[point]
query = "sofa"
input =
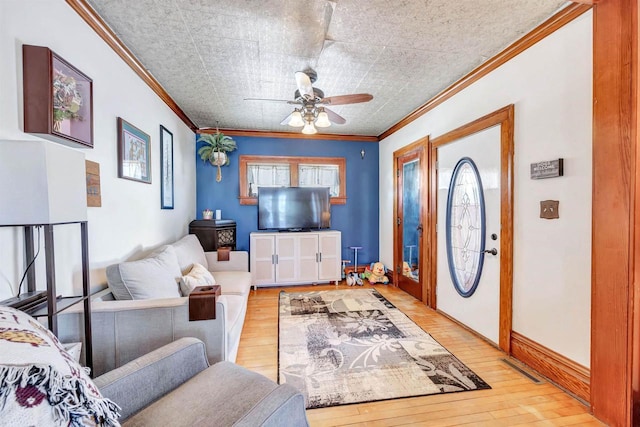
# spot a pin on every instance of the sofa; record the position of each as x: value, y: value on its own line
x: 41, y: 384
x: 145, y: 306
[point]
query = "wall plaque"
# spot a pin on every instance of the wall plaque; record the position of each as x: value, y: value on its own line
x: 548, y: 169
x: 550, y: 209
x: 94, y: 199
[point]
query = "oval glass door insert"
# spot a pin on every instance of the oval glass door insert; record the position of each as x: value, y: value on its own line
x: 465, y: 227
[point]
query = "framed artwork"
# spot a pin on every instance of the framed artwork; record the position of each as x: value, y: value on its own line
x: 166, y: 168
x: 58, y: 98
x: 134, y: 153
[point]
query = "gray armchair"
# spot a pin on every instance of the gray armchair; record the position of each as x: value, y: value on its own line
x: 174, y: 385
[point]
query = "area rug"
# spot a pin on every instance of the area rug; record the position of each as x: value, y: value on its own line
x: 353, y: 346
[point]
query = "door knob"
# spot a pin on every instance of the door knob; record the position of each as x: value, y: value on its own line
x: 419, y: 228
x: 492, y: 251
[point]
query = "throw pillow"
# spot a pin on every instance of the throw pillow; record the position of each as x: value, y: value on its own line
x: 198, y: 276
x: 40, y: 384
x: 189, y: 251
x: 153, y: 277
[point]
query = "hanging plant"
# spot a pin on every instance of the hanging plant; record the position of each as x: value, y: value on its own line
x: 215, y: 149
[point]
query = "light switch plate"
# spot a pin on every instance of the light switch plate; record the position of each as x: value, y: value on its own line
x: 549, y: 209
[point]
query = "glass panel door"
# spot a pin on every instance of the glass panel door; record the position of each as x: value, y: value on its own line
x: 411, y: 219
x: 408, y: 238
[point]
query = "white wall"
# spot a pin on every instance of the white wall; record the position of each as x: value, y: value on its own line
x: 130, y: 220
x: 551, y: 87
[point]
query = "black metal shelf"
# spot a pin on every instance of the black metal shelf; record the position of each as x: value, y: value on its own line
x: 62, y: 304
x: 53, y: 305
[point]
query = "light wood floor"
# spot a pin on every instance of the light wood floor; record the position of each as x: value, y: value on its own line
x: 514, y: 400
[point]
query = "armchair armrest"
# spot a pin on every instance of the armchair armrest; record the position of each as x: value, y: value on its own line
x: 144, y: 380
x: 238, y: 261
x: 283, y: 406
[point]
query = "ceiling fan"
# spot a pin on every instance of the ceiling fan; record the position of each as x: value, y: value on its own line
x: 312, y: 111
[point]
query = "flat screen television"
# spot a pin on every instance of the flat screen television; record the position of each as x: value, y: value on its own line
x: 293, y: 208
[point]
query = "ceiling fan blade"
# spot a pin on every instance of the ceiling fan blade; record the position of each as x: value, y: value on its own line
x: 272, y: 100
x: 347, y: 99
x: 304, y: 85
x: 287, y: 119
x: 335, y: 117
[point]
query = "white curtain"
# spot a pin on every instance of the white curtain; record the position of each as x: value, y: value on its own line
x: 320, y: 176
x: 263, y: 175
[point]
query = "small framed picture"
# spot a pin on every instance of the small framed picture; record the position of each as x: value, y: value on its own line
x: 134, y: 153
x: 166, y: 171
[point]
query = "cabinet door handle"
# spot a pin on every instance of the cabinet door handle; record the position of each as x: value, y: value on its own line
x: 320, y: 257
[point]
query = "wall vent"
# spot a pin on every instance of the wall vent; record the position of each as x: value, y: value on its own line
x: 534, y: 379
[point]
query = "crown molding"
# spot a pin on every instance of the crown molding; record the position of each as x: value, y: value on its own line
x: 557, y: 21
x: 291, y: 135
x: 90, y: 16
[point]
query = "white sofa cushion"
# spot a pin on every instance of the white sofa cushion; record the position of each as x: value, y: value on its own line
x: 234, y: 314
x: 153, y: 277
x: 189, y: 250
x: 233, y: 282
x: 198, y: 276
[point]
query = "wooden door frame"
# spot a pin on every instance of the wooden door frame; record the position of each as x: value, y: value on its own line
x: 615, y: 265
x: 421, y: 147
x: 504, y: 118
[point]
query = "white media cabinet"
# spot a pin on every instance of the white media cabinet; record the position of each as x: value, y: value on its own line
x: 290, y: 258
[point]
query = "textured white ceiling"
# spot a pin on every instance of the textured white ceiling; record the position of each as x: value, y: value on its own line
x: 210, y: 55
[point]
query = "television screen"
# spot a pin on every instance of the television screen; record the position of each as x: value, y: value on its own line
x: 293, y: 208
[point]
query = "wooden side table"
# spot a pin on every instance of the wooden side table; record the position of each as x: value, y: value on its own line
x: 214, y: 233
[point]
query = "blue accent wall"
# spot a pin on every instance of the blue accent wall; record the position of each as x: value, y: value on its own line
x: 357, y: 219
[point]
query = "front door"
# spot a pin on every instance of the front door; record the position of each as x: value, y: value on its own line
x: 468, y: 278
x: 472, y: 258
x: 408, y: 236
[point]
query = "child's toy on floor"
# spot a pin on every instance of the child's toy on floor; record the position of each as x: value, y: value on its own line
x: 353, y: 279
x: 366, y: 273
x: 377, y: 273
x: 406, y: 270
x: 344, y: 266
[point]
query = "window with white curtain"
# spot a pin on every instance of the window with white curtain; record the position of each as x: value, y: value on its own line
x: 320, y: 176
x: 266, y: 175
x: 291, y: 171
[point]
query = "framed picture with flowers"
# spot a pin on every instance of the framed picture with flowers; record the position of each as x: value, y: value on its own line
x: 58, y: 98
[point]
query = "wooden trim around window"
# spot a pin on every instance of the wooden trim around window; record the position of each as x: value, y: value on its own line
x: 293, y: 162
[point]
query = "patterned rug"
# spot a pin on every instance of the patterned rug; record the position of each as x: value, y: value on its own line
x: 354, y: 346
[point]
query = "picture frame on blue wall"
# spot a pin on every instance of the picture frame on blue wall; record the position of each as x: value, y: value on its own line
x: 166, y: 169
x: 134, y: 153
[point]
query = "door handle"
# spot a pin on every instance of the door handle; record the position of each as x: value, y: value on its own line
x: 419, y: 228
x: 492, y: 251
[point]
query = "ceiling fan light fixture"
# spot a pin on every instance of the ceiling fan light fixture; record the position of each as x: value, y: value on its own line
x: 323, y: 120
x: 309, y: 129
x: 296, y: 119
